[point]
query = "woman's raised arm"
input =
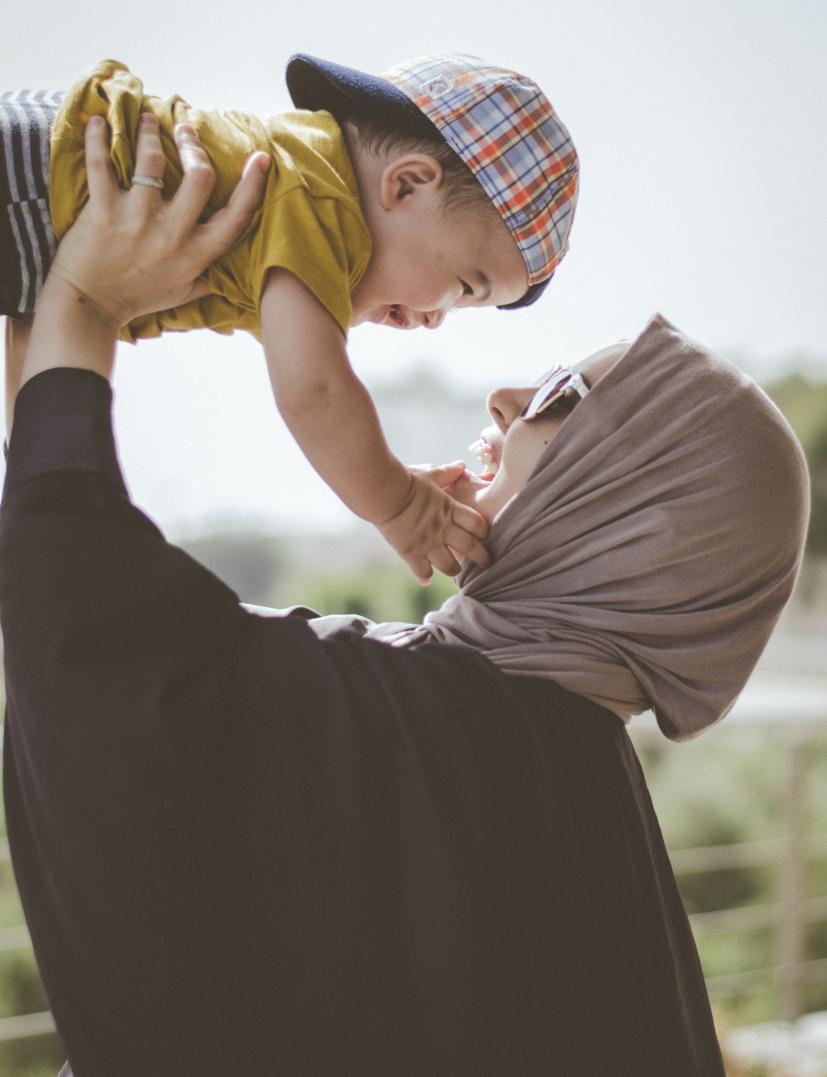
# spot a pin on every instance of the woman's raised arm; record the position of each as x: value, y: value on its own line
x: 129, y: 253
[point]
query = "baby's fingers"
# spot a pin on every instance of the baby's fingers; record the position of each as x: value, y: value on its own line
x: 466, y: 545
x: 469, y: 520
x: 443, y: 560
x: 444, y: 475
x: 421, y: 568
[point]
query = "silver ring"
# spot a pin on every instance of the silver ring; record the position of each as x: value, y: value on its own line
x: 148, y: 181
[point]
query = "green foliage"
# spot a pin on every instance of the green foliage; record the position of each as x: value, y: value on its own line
x: 20, y: 988
x: 335, y: 575
x: 726, y: 888
x: 11, y: 913
x: 382, y: 593
x: 39, y: 1056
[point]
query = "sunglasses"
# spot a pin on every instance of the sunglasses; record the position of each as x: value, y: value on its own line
x: 552, y: 386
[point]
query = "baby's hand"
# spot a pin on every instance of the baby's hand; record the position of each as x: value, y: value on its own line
x: 432, y: 528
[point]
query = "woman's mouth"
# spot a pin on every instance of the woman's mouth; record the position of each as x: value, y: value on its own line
x: 486, y: 455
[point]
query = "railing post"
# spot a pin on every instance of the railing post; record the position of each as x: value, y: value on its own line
x: 793, y: 881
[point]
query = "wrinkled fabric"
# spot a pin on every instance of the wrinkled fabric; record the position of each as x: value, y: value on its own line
x: 646, y: 561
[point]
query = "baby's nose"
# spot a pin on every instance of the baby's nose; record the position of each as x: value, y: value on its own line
x: 433, y: 319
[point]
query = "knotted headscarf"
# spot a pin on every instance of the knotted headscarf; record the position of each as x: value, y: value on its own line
x: 645, y: 562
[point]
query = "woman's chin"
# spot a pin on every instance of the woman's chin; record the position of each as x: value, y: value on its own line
x: 471, y: 490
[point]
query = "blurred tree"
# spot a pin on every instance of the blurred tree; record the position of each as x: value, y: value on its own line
x: 817, y: 459
x: 247, y: 561
x: 20, y: 988
x: 383, y: 592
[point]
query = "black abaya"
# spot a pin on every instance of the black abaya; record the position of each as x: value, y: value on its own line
x: 243, y: 850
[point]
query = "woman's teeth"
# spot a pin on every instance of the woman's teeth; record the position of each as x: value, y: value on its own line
x: 486, y: 456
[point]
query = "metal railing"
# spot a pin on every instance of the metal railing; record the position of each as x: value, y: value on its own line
x: 795, y: 711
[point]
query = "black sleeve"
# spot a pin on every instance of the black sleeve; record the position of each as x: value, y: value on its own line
x: 120, y: 662
x: 82, y: 570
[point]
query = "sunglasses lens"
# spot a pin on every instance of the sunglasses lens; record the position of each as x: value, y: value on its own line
x: 546, y: 395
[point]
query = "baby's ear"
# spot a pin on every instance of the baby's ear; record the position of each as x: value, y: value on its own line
x: 407, y: 174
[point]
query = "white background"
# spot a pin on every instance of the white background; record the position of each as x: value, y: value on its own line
x: 701, y: 133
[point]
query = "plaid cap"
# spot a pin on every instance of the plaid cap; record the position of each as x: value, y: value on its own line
x: 500, y: 124
x: 504, y: 128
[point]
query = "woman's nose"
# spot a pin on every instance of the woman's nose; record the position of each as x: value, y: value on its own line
x: 505, y: 405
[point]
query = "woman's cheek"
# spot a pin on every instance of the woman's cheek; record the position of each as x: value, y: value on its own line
x: 517, y: 462
x: 523, y: 454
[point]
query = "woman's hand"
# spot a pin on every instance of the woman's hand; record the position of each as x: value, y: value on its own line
x: 130, y: 252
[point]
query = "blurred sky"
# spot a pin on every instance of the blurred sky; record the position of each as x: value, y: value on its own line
x: 703, y: 147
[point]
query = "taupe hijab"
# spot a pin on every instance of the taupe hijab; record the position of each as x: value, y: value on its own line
x: 648, y: 557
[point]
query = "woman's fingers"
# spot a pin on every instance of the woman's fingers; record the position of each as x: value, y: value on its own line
x: 103, y: 187
x: 198, y: 182
x: 150, y: 161
x: 199, y: 289
x: 131, y: 252
x: 227, y: 225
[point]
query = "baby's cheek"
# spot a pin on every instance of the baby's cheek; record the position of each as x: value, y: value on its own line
x: 427, y: 293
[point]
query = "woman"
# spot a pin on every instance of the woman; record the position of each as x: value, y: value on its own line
x: 243, y: 849
x: 644, y: 544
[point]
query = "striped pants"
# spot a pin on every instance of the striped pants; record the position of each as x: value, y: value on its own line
x: 27, y: 242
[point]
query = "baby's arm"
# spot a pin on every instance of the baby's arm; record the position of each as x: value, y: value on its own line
x: 332, y: 417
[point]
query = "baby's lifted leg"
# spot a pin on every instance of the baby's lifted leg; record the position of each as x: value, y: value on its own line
x: 18, y: 331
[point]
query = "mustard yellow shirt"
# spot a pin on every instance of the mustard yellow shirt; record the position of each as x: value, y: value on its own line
x: 310, y: 221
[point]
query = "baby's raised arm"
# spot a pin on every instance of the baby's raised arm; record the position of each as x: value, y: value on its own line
x: 332, y: 417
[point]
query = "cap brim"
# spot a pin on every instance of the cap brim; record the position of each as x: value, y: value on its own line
x: 531, y: 296
x: 318, y: 84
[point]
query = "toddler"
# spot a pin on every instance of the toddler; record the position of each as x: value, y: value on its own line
x: 446, y: 183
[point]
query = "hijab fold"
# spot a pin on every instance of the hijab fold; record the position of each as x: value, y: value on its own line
x: 645, y: 562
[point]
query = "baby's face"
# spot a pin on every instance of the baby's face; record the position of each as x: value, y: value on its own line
x: 426, y: 262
